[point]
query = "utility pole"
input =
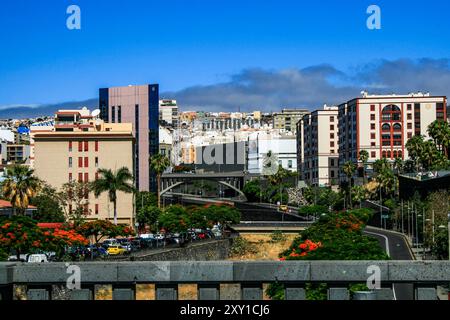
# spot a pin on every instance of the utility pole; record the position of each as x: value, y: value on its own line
x: 403, y: 230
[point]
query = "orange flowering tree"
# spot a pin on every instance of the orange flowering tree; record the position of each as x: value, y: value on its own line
x: 22, y: 235
x: 175, y: 219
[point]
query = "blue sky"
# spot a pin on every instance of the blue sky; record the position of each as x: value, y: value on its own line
x: 199, y: 47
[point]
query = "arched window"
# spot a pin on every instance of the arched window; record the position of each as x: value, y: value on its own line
x: 391, y: 112
x: 397, y: 127
x: 394, y: 154
x: 389, y: 154
x: 399, y: 154
x: 384, y: 154
x: 386, y: 127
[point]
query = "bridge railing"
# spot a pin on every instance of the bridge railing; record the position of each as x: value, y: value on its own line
x: 212, y: 280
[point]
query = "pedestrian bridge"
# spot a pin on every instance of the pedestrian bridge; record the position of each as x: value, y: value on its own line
x: 232, y: 180
x: 214, y: 280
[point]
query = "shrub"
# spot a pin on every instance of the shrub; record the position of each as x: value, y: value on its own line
x: 277, y: 236
x: 241, y: 246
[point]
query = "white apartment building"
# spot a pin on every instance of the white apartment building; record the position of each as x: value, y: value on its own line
x: 382, y: 124
x: 282, y: 146
x: 317, y: 147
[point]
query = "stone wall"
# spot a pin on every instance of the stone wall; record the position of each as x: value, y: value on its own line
x: 201, y: 251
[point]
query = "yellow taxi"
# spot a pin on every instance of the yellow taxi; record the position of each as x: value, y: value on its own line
x: 114, y: 250
x: 284, y: 208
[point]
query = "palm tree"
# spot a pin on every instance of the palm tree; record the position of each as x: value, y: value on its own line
x: 415, y: 147
x: 381, y: 164
x: 111, y: 182
x: 398, y: 165
x: 19, y: 186
x: 159, y: 164
x: 363, y: 157
x: 349, y: 169
x: 359, y: 194
x: 439, y: 131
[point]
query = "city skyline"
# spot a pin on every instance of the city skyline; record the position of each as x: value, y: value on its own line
x: 295, y: 55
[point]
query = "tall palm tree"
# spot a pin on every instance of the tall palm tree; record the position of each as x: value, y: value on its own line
x: 349, y: 169
x: 415, y: 147
x: 19, y: 186
x: 398, y: 165
x: 439, y: 131
x: 363, y: 157
x: 111, y: 182
x: 159, y: 164
x: 381, y: 164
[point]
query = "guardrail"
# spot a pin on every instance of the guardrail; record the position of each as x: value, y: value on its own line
x: 213, y: 280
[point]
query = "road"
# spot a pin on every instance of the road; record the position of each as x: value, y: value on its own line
x: 397, y: 248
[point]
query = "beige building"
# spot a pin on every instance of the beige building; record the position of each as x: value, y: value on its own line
x: 77, y: 146
x: 288, y: 119
x: 382, y: 124
x: 317, y: 147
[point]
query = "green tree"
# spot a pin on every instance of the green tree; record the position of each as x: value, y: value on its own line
x: 74, y: 200
x: 175, y: 218
x: 148, y: 215
x: 100, y: 229
x: 415, y: 146
x: 19, y: 187
x: 253, y: 190
x: 48, y: 205
x: 349, y: 169
x: 159, y: 164
x: 364, y: 157
x: 359, y: 194
x: 113, y: 182
x: 144, y: 199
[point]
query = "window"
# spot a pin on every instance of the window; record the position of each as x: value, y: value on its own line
x: 331, y: 135
x: 372, y: 117
x: 86, y: 146
x: 373, y: 154
x: 389, y: 154
x: 289, y: 164
x: 96, y: 162
x: 409, y: 135
x: 80, y: 177
x: 70, y: 162
x: 80, y: 162
x: 96, y: 208
x: 332, y: 173
x: 119, y: 114
x: 409, y: 125
x: 409, y: 116
x: 332, y: 119
x: 80, y: 146
x: 86, y: 177
x: 372, y: 107
x: 332, y: 144
x: 70, y: 146
x: 96, y: 176
x: 113, y: 114
x: 409, y: 107
x: 332, y: 151
x: 397, y: 127
x: 332, y: 162
x: 372, y: 126
x: 384, y: 154
x: 96, y: 146
x: 331, y: 126
x: 372, y: 144
x: 70, y: 177
x: 386, y: 127
x: 372, y: 136
x: 86, y: 162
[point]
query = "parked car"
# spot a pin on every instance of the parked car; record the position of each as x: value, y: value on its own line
x: 115, y: 250
x: 37, y: 258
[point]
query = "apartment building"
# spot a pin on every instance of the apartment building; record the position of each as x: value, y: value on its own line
x: 317, y: 147
x: 75, y: 148
x: 382, y: 124
x: 287, y: 119
x: 138, y: 105
x: 168, y: 112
